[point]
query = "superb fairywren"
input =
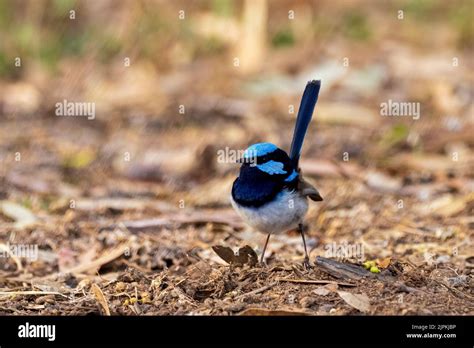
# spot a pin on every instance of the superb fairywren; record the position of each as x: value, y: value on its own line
x: 270, y: 193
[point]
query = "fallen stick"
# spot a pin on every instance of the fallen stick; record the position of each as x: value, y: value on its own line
x: 455, y: 291
x: 252, y: 311
x: 257, y: 291
x: 31, y: 292
x: 311, y: 281
x: 342, y: 270
x: 172, y: 220
x: 107, y: 257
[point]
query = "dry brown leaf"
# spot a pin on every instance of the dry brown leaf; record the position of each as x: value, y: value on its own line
x: 245, y: 255
x: 225, y: 253
x: 99, y: 295
x: 384, y: 263
x: 360, y: 302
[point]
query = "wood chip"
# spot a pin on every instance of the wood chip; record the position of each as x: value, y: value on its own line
x: 341, y: 270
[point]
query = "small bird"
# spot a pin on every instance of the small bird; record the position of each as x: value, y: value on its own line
x: 270, y: 193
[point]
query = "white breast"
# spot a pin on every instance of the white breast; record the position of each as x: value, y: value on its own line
x: 282, y: 214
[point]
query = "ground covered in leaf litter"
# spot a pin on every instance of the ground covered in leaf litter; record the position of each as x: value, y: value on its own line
x: 136, y: 237
x: 114, y: 240
x: 133, y: 256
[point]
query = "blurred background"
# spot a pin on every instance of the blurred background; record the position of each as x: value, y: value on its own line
x: 174, y: 82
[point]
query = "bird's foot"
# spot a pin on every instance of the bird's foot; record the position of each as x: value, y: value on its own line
x: 306, y: 264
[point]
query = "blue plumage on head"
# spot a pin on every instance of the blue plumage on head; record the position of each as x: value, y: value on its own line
x: 259, y: 149
x: 266, y: 170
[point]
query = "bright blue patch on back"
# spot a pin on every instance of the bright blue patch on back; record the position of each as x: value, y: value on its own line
x: 259, y: 149
x: 292, y: 176
x: 272, y: 167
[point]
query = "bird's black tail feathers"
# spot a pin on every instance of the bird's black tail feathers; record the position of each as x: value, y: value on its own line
x: 308, y: 101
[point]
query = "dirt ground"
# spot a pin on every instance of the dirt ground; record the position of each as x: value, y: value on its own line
x: 120, y: 245
x: 125, y: 208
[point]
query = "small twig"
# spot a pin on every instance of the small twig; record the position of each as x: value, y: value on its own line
x: 106, y: 257
x: 405, y: 288
x: 257, y: 291
x: 455, y: 292
x: 181, y: 281
x: 31, y: 292
x: 121, y: 294
x: 311, y: 281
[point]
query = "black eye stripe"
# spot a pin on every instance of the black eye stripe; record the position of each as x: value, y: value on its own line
x: 278, y: 156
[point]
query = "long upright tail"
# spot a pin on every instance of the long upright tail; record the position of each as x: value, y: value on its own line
x: 308, y: 101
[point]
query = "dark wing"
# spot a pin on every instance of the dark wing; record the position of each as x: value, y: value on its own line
x: 253, y: 188
x: 305, y: 113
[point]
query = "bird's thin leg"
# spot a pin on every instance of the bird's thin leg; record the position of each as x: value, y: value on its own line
x: 264, y: 248
x: 306, y: 257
